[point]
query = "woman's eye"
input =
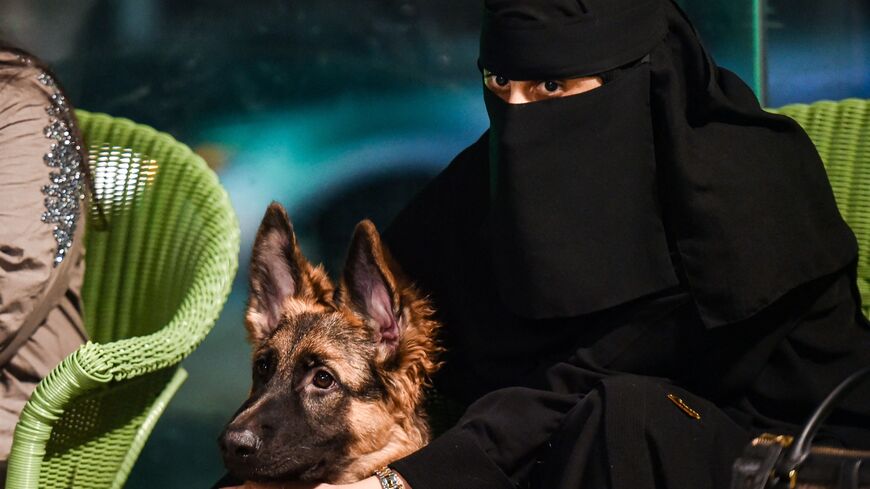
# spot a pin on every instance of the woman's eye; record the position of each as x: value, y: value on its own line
x: 551, y: 86
x: 322, y: 380
x: 496, y: 82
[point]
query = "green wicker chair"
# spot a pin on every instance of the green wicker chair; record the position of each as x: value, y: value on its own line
x: 160, y: 262
x: 841, y: 132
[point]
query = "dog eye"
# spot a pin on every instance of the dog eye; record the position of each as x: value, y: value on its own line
x: 261, y: 366
x: 322, y: 380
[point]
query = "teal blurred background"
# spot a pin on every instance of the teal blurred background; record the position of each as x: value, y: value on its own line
x: 341, y: 110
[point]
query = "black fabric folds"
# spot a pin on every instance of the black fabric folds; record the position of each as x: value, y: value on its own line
x: 584, y: 202
x: 746, y: 197
x: 743, y: 195
x: 566, y: 38
x: 570, y: 207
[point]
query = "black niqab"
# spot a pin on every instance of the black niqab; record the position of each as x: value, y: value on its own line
x: 570, y: 207
x: 740, y: 193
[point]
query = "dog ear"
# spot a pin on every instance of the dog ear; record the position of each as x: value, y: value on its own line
x: 278, y: 271
x: 369, y: 287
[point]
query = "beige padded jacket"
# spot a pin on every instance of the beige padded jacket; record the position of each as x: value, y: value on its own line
x: 42, y: 214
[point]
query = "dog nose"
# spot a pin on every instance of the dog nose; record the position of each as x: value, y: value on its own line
x: 242, y: 443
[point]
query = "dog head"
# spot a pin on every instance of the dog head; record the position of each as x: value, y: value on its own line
x: 338, y: 374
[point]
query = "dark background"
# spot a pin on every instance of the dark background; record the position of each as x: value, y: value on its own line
x: 342, y: 109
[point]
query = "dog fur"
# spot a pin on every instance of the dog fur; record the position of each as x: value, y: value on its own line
x: 339, y: 374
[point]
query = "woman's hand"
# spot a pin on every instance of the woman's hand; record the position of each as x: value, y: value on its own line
x: 369, y: 483
x: 283, y: 485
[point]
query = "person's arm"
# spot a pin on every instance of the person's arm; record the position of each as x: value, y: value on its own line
x: 492, y: 446
x: 499, y: 437
x: 368, y: 483
x: 27, y: 244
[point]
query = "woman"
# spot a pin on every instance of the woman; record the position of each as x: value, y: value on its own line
x: 42, y: 214
x: 638, y: 269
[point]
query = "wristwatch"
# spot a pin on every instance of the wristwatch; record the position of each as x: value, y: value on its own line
x: 389, y: 479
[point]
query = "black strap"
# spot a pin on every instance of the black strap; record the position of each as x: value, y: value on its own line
x: 800, y: 448
x: 753, y: 469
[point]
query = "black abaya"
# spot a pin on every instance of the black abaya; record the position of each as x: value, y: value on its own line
x: 745, y: 307
x: 582, y: 402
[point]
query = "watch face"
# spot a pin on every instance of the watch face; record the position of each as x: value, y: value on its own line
x: 389, y: 479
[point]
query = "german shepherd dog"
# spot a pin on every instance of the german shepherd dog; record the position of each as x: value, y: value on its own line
x: 339, y: 374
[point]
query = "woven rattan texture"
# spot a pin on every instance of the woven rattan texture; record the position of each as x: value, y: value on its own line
x: 841, y: 132
x: 162, y: 250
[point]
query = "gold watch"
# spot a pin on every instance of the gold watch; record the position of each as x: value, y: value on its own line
x: 389, y: 479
